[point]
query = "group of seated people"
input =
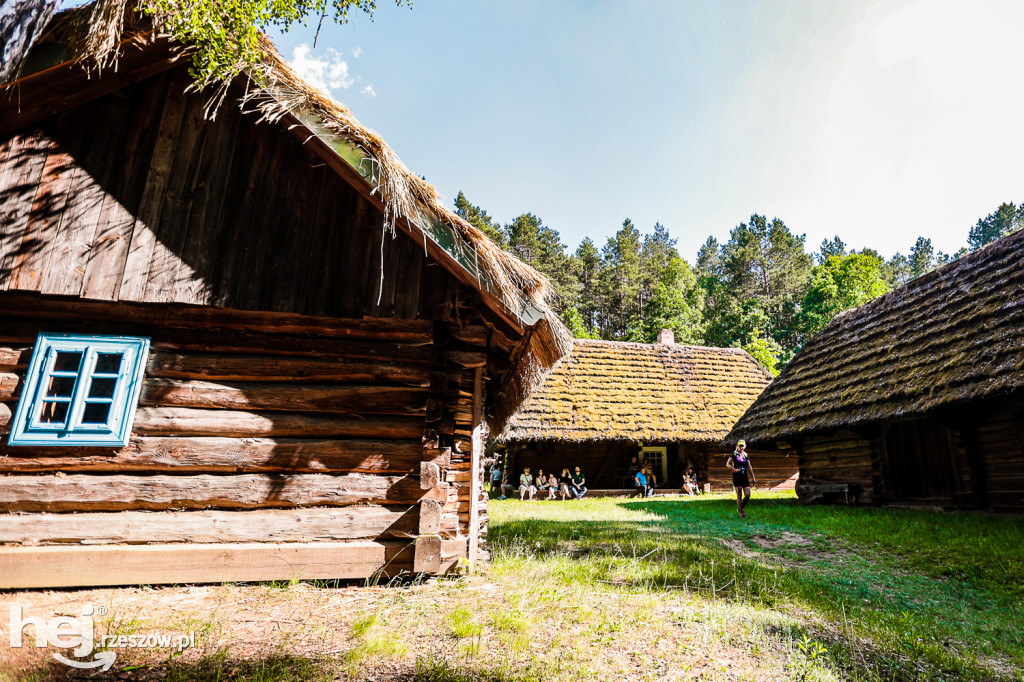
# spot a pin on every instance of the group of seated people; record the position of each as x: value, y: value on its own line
x: 565, y: 486
x: 645, y: 480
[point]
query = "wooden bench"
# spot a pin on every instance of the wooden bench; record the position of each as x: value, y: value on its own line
x: 810, y: 492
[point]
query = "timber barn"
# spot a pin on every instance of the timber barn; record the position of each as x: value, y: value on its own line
x: 669, y: 405
x: 251, y: 346
x: 916, y: 398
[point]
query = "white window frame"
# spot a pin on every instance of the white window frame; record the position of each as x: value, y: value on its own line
x: 31, y: 430
x: 662, y: 453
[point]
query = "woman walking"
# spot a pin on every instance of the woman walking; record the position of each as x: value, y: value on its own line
x: 742, y: 476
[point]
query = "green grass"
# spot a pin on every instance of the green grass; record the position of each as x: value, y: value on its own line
x: 878, y: 593
x: 603, y: 589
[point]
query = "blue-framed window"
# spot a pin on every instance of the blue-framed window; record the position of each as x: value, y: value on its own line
x: 80, y: 390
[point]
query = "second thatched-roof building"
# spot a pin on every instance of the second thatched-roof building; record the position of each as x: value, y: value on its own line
x: 916, y: 398
x: 666, y: 404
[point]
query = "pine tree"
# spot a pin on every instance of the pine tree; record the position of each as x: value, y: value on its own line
x: 656, y: 253
x: 831, y: 247
x: 478, y: 218
x: 587, y: 265
x: 536, y: 244
x: 677, y: 304
x: 1004, y: 221
x: 620, y: 282
x: 922, y: 258
x: 765, y: 263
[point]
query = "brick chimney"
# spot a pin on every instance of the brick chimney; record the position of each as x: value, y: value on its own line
x: 666, y: 336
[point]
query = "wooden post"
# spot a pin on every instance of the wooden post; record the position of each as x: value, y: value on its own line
x: 475, y: 459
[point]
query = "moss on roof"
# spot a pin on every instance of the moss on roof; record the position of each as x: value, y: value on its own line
x: 953, y: 336
x: 609, y: 390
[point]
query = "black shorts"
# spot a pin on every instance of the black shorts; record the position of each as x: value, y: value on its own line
x: 740, y: 480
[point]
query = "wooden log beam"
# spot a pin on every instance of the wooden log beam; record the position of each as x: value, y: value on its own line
x: 430, y: 517
x: 427, y: 555
x: 166, y: 316
x: 213, y: 340
x: 430, y: 475
x: 171, y: 421
x: 83, y: 492
x: 14, y: 358
x: 264, y: 368
x: 223, y: 455
x: 290, y: 398
x: 9, y: 385
x: 277, y: 525
x: 473, y: 335
x: 38, y: 567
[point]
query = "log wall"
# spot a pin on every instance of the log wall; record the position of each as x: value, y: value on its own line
x: 999, y: 454
x: 967, y: 456
x: 257, y: 433
x: 843, y: 458
x: 774, y: 470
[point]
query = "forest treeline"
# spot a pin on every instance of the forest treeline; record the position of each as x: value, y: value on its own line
x: 761, y: 290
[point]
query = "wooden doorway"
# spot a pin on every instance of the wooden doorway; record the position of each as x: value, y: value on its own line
x: 656, y: 458
x: 921, y: 459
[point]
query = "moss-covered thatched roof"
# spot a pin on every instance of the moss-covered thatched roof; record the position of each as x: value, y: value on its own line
x: 953, y: 336
x: 610, y: 390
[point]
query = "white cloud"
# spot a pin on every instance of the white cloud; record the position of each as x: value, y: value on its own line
x: 357, y: 52
x: 369, y: 91
x: 328, y: 72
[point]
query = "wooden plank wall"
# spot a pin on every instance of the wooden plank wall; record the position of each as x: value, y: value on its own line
x: 841, y: 458
x: 1000, y: 443
x: 251, y: 430
x: 775, y: 470
x: 158, y: 204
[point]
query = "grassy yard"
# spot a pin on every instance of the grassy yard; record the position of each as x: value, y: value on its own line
x: 615, y: 589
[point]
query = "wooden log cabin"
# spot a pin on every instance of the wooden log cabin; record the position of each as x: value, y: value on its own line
x: 916, y: 398
x: 666, y: 404
x: 244, y: 347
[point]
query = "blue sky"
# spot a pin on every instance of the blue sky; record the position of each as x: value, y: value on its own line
x: 875, y: 120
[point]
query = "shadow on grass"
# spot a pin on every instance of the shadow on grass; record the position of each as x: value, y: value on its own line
x: 898, y: 579
x: 284, y: 668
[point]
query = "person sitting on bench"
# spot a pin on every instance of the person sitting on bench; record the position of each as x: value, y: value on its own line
x: 643, y: 488
x: 579, y: 484
x: 690, y: 486
x: 552, y: 485
x: 565, y: 484
x: 526, y: 486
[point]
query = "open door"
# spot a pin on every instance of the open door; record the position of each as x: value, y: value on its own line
x: 656, y: 458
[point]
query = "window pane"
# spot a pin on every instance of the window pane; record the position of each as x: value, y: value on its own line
x: 67, y: 361
x: 60, y: 387
x: 108, y: 363
x: 102, y: 388
x: 54, y: 413
x: 96, y: 413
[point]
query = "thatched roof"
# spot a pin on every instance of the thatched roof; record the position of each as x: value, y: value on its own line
x: 96, y: 33
x: 612, y: 390
x: 953, y: 336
